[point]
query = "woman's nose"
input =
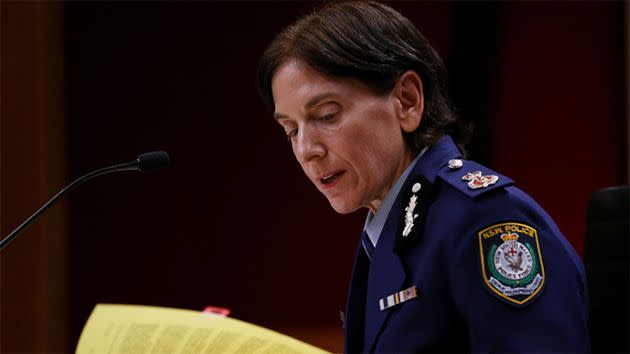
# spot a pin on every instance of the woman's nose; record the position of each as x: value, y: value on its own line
x: 308, y: 145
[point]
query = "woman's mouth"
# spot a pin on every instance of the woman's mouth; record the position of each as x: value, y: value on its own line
x: 330, y: 180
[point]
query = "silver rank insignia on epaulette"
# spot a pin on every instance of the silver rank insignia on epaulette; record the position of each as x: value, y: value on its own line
x: 476, y: 180
x: 409, y: 215
x: 397, y: 298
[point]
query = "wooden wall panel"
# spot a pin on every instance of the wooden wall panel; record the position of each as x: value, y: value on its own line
x: 33, y: 281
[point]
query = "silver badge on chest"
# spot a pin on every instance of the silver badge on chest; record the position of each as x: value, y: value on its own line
x: 410, y: 217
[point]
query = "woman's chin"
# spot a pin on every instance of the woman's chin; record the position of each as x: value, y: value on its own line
x: 343, y: 206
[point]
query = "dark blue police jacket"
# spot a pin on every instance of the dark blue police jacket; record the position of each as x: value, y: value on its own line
x: 466, y: 262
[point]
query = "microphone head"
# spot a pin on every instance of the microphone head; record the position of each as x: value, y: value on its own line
x: 153, y: 160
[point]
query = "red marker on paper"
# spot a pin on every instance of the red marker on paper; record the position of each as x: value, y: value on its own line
x: 221, y: 311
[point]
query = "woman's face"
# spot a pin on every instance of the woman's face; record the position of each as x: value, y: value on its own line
x: 348, y: 140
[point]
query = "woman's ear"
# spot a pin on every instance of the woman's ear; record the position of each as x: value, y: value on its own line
x: 410, y: 98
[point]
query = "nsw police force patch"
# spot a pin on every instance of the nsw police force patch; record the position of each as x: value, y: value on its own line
x: 511, y: 261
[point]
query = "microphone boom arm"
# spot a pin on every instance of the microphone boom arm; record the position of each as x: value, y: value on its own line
x: 147, y: 161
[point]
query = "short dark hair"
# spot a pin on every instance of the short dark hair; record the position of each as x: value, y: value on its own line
x: 375, y: 44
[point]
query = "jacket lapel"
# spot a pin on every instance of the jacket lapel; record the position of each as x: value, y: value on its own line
x: 387, y: 273
x: 386, y: 276
x: 355, y: 309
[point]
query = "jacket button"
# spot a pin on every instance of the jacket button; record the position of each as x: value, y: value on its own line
x: 454, y: 164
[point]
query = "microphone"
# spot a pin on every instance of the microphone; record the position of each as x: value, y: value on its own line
x: 149, y: 161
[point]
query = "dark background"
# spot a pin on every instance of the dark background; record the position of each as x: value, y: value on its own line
x: 233, y: 222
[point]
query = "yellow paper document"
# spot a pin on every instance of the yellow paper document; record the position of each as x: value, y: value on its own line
x: 145, y: 329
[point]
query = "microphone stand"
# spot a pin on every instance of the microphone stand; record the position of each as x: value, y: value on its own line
x: 127, y: 166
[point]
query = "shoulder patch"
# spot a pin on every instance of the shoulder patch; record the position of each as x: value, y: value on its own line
x: 472, y: 178
x: 511, y: 261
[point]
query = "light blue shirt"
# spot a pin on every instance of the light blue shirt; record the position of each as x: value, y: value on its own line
x: 374, y: 223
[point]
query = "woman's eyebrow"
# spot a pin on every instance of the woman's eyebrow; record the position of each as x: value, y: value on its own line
x: 278, y: 116
x: 310, y: 104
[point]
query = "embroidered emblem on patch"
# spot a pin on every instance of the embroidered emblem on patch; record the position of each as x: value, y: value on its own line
x: 476, y: 180
x: 511, y: 261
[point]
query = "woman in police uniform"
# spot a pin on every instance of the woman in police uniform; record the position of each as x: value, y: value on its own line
x: 453, y: 257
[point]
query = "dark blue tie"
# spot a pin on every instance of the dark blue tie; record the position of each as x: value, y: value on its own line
x: 367, y: 244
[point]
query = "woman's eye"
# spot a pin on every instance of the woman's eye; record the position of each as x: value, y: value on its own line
x: 327, y: 117
x: 291, y: 133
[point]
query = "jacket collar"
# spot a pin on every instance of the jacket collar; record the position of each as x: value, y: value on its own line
x: 435, y: 159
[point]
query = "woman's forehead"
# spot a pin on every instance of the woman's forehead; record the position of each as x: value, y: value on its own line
x: 295, y: 83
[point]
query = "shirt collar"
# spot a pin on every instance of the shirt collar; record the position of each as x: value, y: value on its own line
x: 374, y: 223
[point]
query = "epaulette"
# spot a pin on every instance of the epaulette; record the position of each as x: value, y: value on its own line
x: 472, y: 178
